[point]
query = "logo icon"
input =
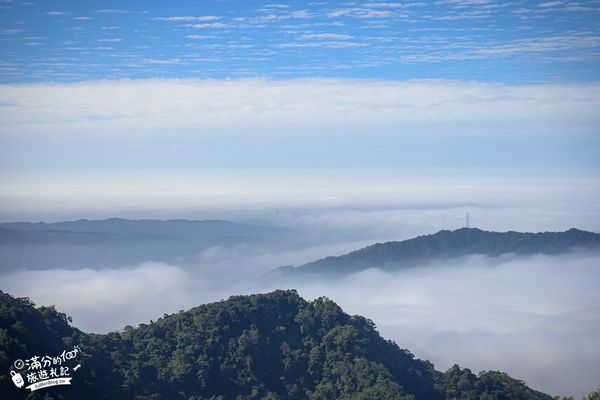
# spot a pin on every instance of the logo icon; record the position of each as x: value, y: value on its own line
x: 45, y: 371
x: 17, y: 379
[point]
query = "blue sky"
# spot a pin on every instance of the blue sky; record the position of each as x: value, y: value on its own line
x: 239, y: 102
x: 484, y: 40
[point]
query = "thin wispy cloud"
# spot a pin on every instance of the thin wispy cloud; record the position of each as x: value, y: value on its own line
x: 359, y: 13
x: 173, y: 61
x: 57, y: 13
x: 574, y: 41
x: 214, y: 25
x: 384, y: 40
x: 394, y: 5
x: 188, y: 18
x: 463, y: 16
x: 320, y: 44
x: 200, y: 37
x: 13, y: 31
x: 327, y: 36
x: 274, y: 5
x: 113, y: 11
x: 550, y: 4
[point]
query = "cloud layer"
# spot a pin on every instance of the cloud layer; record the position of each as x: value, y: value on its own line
x: 537, y: 318
x: 322, y: 106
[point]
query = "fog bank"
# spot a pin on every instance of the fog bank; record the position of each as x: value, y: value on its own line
x: 537, y: 318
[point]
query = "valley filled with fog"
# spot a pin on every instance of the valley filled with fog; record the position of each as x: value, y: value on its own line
x: 536, y: 317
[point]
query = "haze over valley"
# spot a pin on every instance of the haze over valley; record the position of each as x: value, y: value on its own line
x: 471, y: 306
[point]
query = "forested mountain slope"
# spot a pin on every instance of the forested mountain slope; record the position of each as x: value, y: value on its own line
x: 445, y: 245
x: 266, y: 346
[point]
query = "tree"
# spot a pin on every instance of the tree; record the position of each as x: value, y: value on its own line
x: 595, y: 395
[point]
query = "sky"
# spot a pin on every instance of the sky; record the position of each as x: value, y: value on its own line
x: 132, y: 108
x: 484, y: 40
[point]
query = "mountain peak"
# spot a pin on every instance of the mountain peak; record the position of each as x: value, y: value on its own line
x: 262, y: 346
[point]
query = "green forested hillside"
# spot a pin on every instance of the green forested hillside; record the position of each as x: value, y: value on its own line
x: 445, y: 245
x: 267, y: 346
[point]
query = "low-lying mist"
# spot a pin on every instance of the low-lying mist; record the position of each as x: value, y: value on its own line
x: 537, y: 318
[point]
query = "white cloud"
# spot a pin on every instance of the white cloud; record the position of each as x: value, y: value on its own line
x: 253, y: 106
x: 214, y: 25
x: 200, y: 37
x: 327, y: 36
x: 56, y: 13
x: 299, y: 14
x: 113, y: 11
x: 281, y: 6
x: 394, y: 5
x: 360, y: 13
x: 203, y: 18
x: 13, y: 31
x: 550, y: 4
x: 110, y: 40
x: 466, y: 3
x: 166, y: 61
x: 463, y: 15
x: 573, y: 46
x: 121, y: 296
x: 573, y: 41
x: 322, y: 44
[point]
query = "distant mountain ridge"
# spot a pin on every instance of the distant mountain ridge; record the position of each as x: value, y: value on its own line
x: 115, y: 242
x: 447, y: 245
x: 178, y: 228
